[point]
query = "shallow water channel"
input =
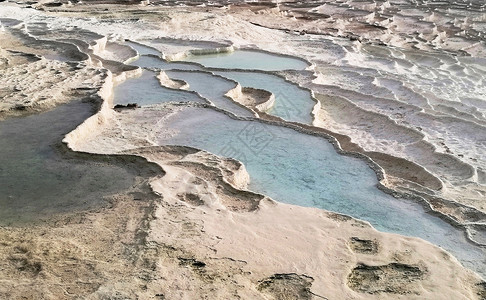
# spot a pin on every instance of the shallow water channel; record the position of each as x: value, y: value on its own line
x: 248, y: 60
x: 301, y: 169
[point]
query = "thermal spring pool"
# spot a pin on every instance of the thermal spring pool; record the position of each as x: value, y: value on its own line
x: 248, y: 60
x: 213, y: 88
x: 147, y: 90
x: 291, y: 102
x: 290, y: 166
x: 305, y: 170
x: 151, y: 58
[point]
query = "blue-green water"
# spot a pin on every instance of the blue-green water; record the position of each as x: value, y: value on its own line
x: 297, y: 168
x: 146, y: 90
x: 291, y: 102
x: 151, y: 58
x: 213, y: 88
x: 248, y: 60
x: 305, y: 170
x: 147, y: 61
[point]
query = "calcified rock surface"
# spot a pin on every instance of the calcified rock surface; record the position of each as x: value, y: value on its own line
x: 419, y: 114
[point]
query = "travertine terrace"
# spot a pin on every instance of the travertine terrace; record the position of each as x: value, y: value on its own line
x: 398, y: 85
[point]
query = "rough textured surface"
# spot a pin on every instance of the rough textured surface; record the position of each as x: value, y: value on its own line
x: 204, y: 236
x: 363, y: 246
x: 287, y: 286
x: 393, y: 278
x: 32, y: 83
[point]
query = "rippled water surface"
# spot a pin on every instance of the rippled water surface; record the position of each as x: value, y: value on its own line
x: 213, y: 88
x: 147, y: 90
x: 299, y: 169
x: 291, y: 102
x: 304, y: 170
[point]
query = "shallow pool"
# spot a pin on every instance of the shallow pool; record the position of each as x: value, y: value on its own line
x: 305, y: 170
x: 248, y: 60
x: 297, y: 168
x: 291, y: 102
x: 150, y: 61
x: 147, y: 90
x: 142, y: 49
x: 213, y: 88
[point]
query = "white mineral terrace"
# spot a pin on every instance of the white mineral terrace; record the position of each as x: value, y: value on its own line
x: 260, y: 150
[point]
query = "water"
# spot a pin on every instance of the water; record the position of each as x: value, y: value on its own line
x: 142, y: 49
x: 296, y: 168
x: 248, y: 60
x: 39, y: 178
x: 213, y: 88
x: 146, y: 90
x: 151, y: 58
x: 291, y: 102
x: 148, y: 61
x: 304, y: 170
